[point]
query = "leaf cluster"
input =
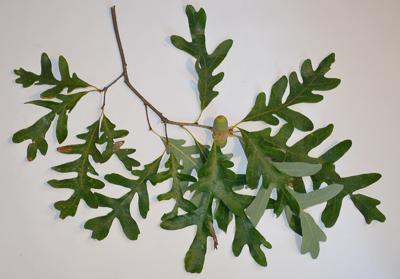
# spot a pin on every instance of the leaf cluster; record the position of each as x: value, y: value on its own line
x: 204, y: 186
x: 59, y: 104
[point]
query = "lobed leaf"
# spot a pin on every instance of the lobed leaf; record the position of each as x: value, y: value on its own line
x: 191, y: 158
x: 351, y: 184
x: 111, y: 137
x: 46, y: 77
x: 120, y: 207
x: 312, y: 235
x: 259, y: 162
x: 100, y: 226
x: 279, y: 151
x: 216, y: 178
x: 246, y: 234
x: 177, y: 191
x: 313, y: 80
x: 259, y: 156
x: 82, y: 183
x: 37, y: 132
x: 201, y: 218
x: 205, y: 63
x: 367, y: 206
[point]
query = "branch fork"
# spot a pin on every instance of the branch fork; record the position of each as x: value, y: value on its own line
x: 145, y: 102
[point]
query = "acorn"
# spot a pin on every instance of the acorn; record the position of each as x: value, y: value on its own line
x: 220, y: 130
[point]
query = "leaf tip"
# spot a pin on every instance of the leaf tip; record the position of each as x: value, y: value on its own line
x: 30, y: 158
x: 378, y: 176
x: 229, y: 42
x: 348, y: 143
x: 374, y: 177
x: 189, y: 9
x: 44, y: 57
x: 15, y: 138
x: 330, y: 127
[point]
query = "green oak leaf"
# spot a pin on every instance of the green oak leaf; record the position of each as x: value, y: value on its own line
x: 216, y: 178
x: 176, y: 192
x: 367, y: 206
x: 216, y: 182
x: 246, y: 234
x: 313, y: 80
x: 111, y: 137
x: 298, y: 152
x: 304, y: 224
x: 100, y: 226
x: 351, y: 184
x: 205, y: 63
x: 259, y: 164
x: 222, y: 215
x: 315, y: 197
x: 297, y: 169
x: 37, y: 132
x: 312, y: 235
x: 202, y: 219
x: 46, y: 77
x: 257, y: 207
x: 190, y: 157
x: 82, y: 183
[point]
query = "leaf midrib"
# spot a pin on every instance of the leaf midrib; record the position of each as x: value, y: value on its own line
x: 85, y: 157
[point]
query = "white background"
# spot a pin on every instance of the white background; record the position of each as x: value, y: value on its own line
x: 271, y: 38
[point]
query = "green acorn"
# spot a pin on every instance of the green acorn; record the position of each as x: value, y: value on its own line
x: 220, y: 130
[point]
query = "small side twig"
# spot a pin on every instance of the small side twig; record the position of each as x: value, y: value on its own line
x: 103, y: 105
x: 166, y: 132
x: 105, y: 89
x: 147, y: 118
x: 113, y: 82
